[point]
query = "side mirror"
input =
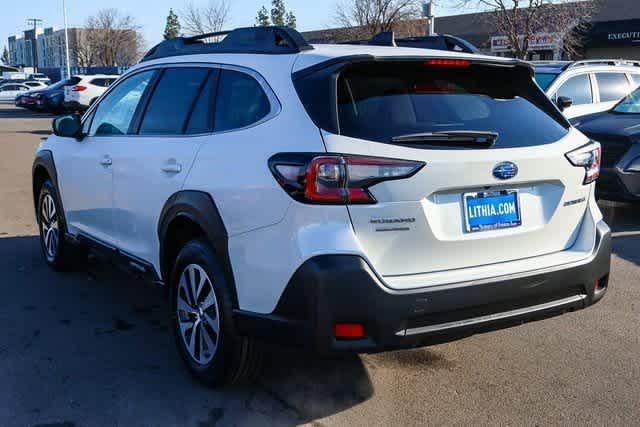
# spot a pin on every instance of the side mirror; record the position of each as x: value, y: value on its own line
x: 68, y: 126
x: 564, y: 102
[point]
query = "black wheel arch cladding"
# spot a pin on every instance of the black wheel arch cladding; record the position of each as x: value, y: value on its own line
x: 44, y: 162
x: 199, y: 208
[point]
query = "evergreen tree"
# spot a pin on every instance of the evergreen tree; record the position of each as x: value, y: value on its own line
x: 290, y: 20
x: 278, y: 12
x: 262, y: 20
x: 172, y: 29
x: 5, y: 56
x: 278, y: 15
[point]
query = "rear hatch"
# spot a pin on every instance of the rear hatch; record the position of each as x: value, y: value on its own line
x: 496, y: 185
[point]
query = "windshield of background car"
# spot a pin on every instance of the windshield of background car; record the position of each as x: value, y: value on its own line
x: 377, y: 101
x: 630, y: 104
x: 544, y: 80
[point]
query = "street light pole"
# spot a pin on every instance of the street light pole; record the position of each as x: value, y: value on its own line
x: 66, y: 38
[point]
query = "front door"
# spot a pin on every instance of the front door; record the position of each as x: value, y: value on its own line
x: 86, y: 173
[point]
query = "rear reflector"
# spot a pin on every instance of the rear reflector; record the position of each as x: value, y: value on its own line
x: 348, y: 330
x: 448, y: 63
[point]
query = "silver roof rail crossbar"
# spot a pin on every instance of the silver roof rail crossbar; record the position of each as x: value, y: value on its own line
x: 613, y: 62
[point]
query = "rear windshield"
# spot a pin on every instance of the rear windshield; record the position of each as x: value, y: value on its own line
x: 381, y: 100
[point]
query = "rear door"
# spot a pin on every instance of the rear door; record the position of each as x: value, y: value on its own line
x: 152, y: 166
x: 473, y: 203
x: 612, y: 87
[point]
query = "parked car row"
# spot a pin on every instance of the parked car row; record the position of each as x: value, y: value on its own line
x: 74, y: 94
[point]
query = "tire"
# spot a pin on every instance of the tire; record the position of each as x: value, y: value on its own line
x: 225, y: 357
x: 60, y: 254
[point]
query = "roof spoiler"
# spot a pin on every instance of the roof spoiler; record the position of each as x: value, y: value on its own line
x: 256, y: 40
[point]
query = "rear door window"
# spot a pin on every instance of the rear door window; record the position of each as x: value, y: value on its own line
x: 578, y: 88
x: 612, y: 86
x: 172, y: 100
x: 240, y: 101
x: 201, y: 119
x: 377, y: 101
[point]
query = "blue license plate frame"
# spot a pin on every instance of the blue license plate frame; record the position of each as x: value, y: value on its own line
x: 491, y: 210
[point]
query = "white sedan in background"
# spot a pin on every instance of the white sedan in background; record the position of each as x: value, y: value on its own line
x: 9, y: 91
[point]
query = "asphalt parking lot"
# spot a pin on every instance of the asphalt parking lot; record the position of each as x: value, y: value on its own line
x: 93, y: 348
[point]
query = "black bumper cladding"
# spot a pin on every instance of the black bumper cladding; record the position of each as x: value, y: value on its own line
x: 333, y: 289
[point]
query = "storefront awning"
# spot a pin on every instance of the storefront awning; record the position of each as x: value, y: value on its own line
x: 614, y: 33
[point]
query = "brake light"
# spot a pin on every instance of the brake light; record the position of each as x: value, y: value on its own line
x: 589, y: 157
x: 448, y: 63
x: 78, y: 88
x: 336, y: 179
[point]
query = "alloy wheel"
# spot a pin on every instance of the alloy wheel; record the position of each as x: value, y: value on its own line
x: 50, y: 229
x: 198, y: 315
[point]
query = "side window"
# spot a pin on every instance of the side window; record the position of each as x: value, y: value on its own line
x: 635, y: 80
x: 201, y: 119
x: 114, y: 113
x: 108, y: 82
x: 97, y: 82
x: 240, y: 101
x: 172, y: 100
x: 578, y: 88
x: 612, y: 86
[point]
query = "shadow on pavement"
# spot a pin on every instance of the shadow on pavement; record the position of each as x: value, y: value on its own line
x: 102, y: 341
x: 21, y: 113
x: 624, y: 220
x: 43, y: 132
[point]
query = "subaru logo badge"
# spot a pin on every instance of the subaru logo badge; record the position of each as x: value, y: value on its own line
x: 505, y: 170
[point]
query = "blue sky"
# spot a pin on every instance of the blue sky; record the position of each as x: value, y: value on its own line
x: 151, y: 14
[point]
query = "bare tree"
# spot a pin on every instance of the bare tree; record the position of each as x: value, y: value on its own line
x: 205, y: 19
x: 520, y: 20
x: 109, y: 39
x: 370, y: 17
x: 82, y: 49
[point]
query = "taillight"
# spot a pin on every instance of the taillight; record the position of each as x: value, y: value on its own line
x: 336, y: 179
x: 78, y: 88
x: 589, y: 157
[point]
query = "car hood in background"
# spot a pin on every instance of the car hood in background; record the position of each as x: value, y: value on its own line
x: 609, y: 123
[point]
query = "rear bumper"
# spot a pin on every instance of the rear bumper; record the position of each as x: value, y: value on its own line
x: 330, y: 289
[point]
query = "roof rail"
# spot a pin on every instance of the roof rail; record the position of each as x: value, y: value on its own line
x: 437, y: 41
x: 614, y: 62
x: 255, y: 40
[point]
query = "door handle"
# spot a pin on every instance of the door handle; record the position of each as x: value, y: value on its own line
x: 172, y: 167
x: 106, y: 161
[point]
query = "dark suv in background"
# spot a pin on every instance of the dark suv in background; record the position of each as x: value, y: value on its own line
x: 618, y: 131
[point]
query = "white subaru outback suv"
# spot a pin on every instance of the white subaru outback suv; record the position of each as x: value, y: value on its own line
x: 344, y: 198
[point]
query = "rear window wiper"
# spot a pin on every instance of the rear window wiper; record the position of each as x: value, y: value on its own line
x: 466, y: 138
